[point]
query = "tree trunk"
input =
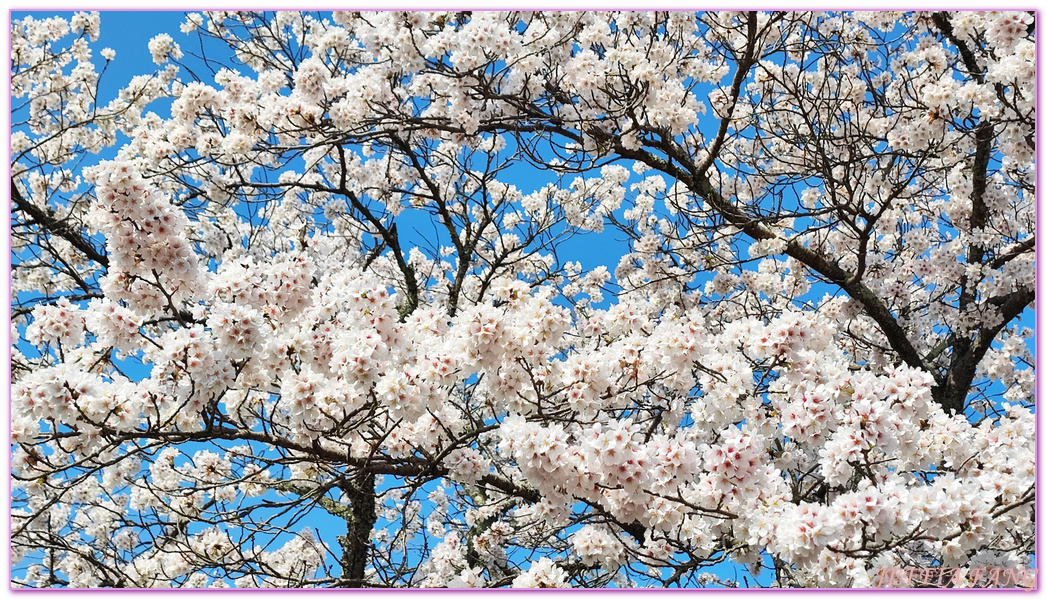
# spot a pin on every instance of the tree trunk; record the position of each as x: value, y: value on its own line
x: 356, y: 543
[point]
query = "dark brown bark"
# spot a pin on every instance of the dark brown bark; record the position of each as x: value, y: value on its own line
x: 360, y: 520
x: 49, y: 224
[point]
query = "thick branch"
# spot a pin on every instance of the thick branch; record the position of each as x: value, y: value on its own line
x: 953, y: 394
x: 388, y: 236
x: 55, y: 227
x: 356, y: 544
x: 742, y: 71
x: 941, y: 21
x: 1022, y: 247
x: 829, y: 269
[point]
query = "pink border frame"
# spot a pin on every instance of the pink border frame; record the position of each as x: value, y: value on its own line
x: 642, y: 591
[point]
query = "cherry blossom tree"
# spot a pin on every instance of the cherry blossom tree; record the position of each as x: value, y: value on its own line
x: 312, y: 320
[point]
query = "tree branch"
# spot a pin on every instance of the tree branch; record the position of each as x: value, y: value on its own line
x: 55, y: 227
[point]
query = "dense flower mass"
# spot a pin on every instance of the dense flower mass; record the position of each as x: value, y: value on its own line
x: 323, y: 319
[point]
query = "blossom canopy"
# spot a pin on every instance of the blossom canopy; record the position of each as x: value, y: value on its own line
x: 314, y: 302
